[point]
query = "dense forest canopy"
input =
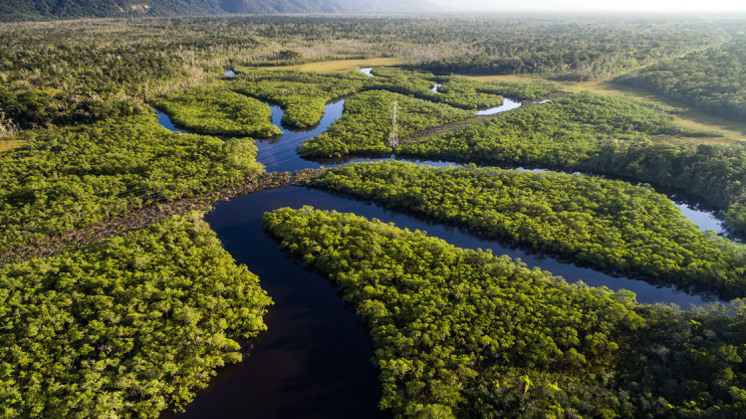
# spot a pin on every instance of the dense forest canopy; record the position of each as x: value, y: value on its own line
x: 366, y: 125
x: 219, y: 112
x: 73, y: 177
x: 609, y: 135
x: 302, y: 95
x: 80, y: 56
x: 611, y: 225
x: 124, y: 327
x: 17, y: 10
x: 463, y: 333
x: 21, y: 10
x: 133, y: 321
x: 713, y: 80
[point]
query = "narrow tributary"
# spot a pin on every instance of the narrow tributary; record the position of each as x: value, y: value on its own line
x: 314, y: 360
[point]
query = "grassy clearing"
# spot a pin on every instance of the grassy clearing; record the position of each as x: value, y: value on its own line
x: 7, y: 145
x: 333, y: 66
x: 515, y: 78
x: 692, y: 119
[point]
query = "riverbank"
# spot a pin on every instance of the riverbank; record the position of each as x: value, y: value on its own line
x: 144, y: 217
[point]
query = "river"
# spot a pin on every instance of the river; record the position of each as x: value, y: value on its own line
x: 314, y: 360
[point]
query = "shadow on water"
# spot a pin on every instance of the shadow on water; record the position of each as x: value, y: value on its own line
x: 280, y: 153
x: 314, y: 360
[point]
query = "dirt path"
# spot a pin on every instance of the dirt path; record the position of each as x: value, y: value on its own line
x: 445, y: 128
x: 137, y: 219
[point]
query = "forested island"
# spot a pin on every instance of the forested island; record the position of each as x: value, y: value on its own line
x: 577, y: 140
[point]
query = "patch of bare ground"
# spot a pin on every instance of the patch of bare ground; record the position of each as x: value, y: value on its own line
x: 144, y: 217
x: 301, y: 177
x: 445, y: 128
x: 455, y: 126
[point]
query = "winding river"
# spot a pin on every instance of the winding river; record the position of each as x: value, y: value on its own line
x: 314, y: 360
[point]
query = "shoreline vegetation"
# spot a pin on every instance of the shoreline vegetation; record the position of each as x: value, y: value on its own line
x: 71, y: 177
x: 609, y: 225
x: 607, y: 135
x: 126, y: 326
x: 219, y: 111
x: 119, y: 300
x: 463, y: 333
x: 52, y: 245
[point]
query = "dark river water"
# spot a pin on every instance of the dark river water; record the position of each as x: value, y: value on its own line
x: 314, y: 360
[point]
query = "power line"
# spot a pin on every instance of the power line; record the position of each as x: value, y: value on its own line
x: 394, y: 139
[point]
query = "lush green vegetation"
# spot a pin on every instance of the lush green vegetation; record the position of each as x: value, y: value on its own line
x: 573, y: 49
x: 535, y: 89
x: 219, y: 111
x: 463, y: 333
x: 18, y: 10
x: 39, y: 109
x: 454, y: 91
x: 366, y: 124
x: 72, y: 177
x: 610, y: 225
x: 713, y: 80
x: 301, y: 95
x: 609, y: 135
x: 458, y: 91
x: 79, y: 57
x: 564, y: 132
x: 129, y: 326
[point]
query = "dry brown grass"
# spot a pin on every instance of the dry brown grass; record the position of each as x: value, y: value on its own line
x: 514, y: 78
x: 6, y: 145
x: 693, y: 119
x: 333, y: 66
x: 8, y: 133
x: 732, y: 131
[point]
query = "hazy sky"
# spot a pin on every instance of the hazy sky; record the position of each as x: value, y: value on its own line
x: 591, y: 5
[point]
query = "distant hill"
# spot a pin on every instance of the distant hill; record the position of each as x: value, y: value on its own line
x: 14, y: 10
x: 18, y: 10
x: 386, y: 5
x: 279, y: 6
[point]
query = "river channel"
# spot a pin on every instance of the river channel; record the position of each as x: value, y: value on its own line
x: 314, y: 360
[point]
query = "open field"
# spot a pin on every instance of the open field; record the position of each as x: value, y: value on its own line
x: 515, y: 78
x: 693, y: 119
x: 334, y: 66
x: 6, y: 145
x: 690, y: 119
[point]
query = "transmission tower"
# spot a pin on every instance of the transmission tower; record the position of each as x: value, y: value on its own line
x: 394, y: 139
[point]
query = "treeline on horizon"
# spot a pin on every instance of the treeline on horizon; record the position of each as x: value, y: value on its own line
x: 102, y: 333
x: 78, y: 58
x: 713, y: 80
x: 22, y: 10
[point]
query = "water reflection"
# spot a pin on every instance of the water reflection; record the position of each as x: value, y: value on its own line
x: 166, y: 122
x: 508, y: 104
